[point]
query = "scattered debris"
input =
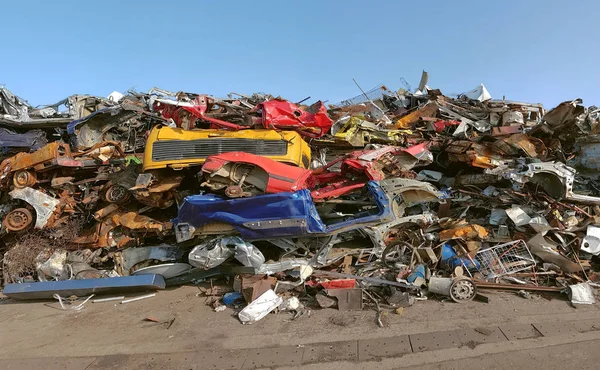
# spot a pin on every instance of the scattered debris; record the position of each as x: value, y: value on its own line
x: 375, y: 202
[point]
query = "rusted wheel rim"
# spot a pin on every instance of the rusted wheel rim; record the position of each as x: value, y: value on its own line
x: 18, y: 219
x: 117, y: 194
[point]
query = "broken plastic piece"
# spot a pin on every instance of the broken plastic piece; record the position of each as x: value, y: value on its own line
x: 260, y: 307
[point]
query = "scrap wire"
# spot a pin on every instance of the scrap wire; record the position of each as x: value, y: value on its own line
x: 378, y: 318
x: 79, y: 307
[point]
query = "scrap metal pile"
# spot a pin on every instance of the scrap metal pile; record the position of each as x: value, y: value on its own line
x: 377, y: 201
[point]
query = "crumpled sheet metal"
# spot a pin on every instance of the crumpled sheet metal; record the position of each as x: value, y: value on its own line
x: 429, y: 110
x: 563, y: 114
x: 581, y: 293
x: 44, y: 205
x: 30, y: 140
x: 280, y: 177
x: 547, y: 251
x: 134, y: 221
x: 213, y: 253
x: 16, y: 112
x: 128, y: 258
x: 527, y: 144
x: 357, y: 132
x: 281, y: 114
x: 52, y: 265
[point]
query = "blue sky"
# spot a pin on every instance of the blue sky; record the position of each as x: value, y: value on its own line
x: 529, y: 50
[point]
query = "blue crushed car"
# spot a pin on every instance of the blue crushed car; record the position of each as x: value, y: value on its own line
x: 290, y: 214
x: 376, y: 208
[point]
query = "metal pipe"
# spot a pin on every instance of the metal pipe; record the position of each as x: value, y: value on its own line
x: 108, y: 299
x: 488, y: 285
x: 138, y: 298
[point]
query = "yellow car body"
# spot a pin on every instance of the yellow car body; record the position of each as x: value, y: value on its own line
x: 176, y: 148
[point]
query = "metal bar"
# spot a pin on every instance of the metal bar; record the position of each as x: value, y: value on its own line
x: 108, y: 299
x: 488, y: 285
x: 367, y: 279
x: 138, y: 298
x: 65, y: 288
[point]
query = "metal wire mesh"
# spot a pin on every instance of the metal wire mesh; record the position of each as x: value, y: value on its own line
x: 505, y: 259
x: 373, y: 94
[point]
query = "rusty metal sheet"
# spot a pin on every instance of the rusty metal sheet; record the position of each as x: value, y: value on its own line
x: 40, y: 158
x: 458, y: 146
x: 554, y: 328
x: 165, y: 184
x: 369, y: 349
x: 516, y: 332
x: 348, y: 299
x: 271, y: 357
x: 522, y: 141
x: 434, y: 341
x: 132, y: 220
x: 473, y: 337
x: 428, y: 110
x: 506, y: 130
x: 328, y: 352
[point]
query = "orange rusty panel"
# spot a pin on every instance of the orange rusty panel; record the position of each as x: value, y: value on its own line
x: 40, y: 157
x: 133, y: 221
x: 483, y: 162
x: 523, y: 142
x: 166, y: 184
x: 464, y: 232
x: 429, y: 110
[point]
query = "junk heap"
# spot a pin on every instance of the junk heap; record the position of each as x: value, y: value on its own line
x: 378, y: 201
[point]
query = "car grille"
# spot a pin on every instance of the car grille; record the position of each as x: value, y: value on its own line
x: 169, y: 150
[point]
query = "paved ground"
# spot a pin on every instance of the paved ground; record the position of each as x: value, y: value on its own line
x: 509, y: 332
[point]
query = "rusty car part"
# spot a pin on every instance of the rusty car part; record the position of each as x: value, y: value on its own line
x: 44, y: 205
x: 24, y: 178
x: 117, y: 194
x: 244, y: 174
x: 178, y: 149
x: 18, y: 219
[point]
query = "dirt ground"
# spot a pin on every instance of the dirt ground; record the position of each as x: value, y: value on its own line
x: 40, y: 330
